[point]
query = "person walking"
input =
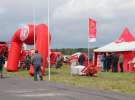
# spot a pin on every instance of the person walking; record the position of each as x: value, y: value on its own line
x: 37, y: 61
x: 121, y: 60
x: 2, y: 62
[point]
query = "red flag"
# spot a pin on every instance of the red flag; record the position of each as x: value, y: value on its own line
x: 92, y: 30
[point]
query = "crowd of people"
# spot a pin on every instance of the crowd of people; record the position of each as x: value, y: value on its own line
x: 35, y: 60
x: 111, y: 61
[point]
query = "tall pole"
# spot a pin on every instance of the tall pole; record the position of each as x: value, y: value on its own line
x: 48, y: 42
x: 34, y: 27
x: 88, y: 41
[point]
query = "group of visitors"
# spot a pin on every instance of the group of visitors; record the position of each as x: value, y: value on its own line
x: 36, y: 61
x: 25, y: 61
x: 111, y: 61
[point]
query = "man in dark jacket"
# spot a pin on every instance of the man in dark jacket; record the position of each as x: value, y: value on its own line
x: 2, y: 62
x: 27, y: 61
x: 81, y: 59
x: 37, y: 63
x: 115, y: 63
x: 108, y: 61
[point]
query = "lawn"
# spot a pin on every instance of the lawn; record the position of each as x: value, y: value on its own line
x: 119, y: 82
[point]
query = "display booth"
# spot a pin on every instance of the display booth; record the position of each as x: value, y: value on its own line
x: 125, y: 45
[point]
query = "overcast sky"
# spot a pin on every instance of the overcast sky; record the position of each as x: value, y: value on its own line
x: 68, y: 19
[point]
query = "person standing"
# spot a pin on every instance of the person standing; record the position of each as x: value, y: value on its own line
x: 2, y: 62
x: 28, y: 61
x: 22, y: 59
x: 102, y: 59
x: 81, y: 59
x: 108, y: 61
x: 115, y: 63
x: 121, y: 60
x: 104, y: 62
x: 36, y: 61
x: 59, y: 61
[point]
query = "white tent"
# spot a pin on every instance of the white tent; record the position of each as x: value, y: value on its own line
x: 115, y: 47
x: 126, y: 42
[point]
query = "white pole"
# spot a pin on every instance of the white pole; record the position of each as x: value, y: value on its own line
x: 34, y: 27
x: 88, y: 41
x: 48, y: 42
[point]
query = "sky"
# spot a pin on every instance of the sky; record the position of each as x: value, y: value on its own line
x: 68, y: 19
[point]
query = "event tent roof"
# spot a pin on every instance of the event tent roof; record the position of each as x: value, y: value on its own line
x: 126, y: 42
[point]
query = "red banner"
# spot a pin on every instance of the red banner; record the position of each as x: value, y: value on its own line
x: 92, y: 30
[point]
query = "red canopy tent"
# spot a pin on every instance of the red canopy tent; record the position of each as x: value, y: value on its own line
x: 124, y: 44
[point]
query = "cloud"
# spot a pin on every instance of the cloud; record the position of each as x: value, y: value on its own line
x: 2, y: 11
x: 68, y: 19
x: 102, y: 8
x: 18, y: 12
x: 111, y: 16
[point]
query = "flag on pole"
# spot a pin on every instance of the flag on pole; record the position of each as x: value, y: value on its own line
x: 91, y: 30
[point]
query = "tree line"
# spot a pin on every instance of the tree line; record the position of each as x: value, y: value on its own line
x: 69, y: 51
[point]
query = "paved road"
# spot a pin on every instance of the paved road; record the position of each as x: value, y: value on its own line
x: 24, y: 89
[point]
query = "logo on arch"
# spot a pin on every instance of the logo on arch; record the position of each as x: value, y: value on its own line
x: 24, y: 33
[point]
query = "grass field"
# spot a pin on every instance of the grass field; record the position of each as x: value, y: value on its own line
x: 119, y: 82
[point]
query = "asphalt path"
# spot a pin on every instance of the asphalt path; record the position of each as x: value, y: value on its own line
x: 27, y: 89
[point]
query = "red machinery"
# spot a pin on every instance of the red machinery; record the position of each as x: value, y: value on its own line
x: 90, y: 69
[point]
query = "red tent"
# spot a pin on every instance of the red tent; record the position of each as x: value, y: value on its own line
x: 124, y: 44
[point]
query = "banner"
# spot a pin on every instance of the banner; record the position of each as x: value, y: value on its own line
x: 91, y: 30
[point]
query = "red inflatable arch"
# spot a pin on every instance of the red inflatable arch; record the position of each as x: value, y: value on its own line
x: 26, y: 35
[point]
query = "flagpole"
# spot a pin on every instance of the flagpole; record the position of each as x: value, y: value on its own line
x: 34, y: 27
x: 48, y: 42
x: 92, y: 32
x: 88, y: 41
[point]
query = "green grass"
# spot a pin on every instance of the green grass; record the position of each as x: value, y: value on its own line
x: 21, y: 74
x: 119, y: 82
